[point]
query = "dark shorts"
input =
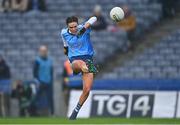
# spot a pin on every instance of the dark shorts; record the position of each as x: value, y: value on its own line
x: 84, y: 58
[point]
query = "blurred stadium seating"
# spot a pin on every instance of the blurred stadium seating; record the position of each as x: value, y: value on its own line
x: 158, y: 62
x: 21, y: 34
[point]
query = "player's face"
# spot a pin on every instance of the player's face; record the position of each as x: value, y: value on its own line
x: 73, y: 27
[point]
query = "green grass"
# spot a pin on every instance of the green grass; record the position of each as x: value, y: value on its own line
x: 87, y: 121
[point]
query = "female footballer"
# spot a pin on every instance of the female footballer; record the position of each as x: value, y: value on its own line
x: 78, y: 48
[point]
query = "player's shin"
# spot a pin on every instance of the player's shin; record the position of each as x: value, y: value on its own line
x: 87, y: 84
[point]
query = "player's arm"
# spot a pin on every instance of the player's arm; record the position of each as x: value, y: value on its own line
x: 87, y: 25
x: 65, y: 44
x: 66, y: 50
x: 90, y: 22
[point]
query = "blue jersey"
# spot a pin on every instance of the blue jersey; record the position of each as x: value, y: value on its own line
x: 77, y: 46
x: 44, y: 71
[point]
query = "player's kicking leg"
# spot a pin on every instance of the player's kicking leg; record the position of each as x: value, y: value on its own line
x: 87, y: 70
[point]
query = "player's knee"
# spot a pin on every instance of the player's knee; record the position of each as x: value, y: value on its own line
x: 84, y: 68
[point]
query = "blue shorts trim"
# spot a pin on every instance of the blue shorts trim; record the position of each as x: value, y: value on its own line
x: 83, y: 57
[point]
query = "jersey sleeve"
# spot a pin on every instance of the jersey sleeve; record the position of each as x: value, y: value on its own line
x: 88, y: 30
x: 67, y: 38
x: 63, y: 38
x: 91, y: 21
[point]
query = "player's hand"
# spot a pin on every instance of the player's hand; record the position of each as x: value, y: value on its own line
x: 81, y: 31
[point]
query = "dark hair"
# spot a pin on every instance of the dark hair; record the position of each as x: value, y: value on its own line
x: 71, y: 19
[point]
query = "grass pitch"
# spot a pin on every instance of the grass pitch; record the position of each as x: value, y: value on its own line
x: 50, y: 120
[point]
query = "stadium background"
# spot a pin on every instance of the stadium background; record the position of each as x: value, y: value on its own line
x: 144, y: 65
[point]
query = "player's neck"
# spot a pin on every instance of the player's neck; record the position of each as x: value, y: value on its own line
x: 71, y: 32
